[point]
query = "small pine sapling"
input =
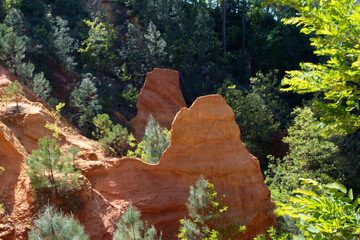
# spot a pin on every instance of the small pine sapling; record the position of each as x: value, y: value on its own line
x: 50, y: 168
x: 54, y: 127
x: 55, y: 225
x: 156, y: 139
x: 204, y: 211
x: 131, y: 227
x: 13, y: 92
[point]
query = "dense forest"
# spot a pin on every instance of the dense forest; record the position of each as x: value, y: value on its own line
x: 290, y: 70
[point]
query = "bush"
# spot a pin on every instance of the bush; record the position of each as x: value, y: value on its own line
x: 117, y: 141
x: 154, y: 142
x: 103, y: 126
x: 54, y: 225
x: 131, y: 227
x: 324, y: 211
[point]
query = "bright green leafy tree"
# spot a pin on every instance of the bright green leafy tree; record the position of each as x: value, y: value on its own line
x: 96, y: 48
x: 336, y: 28
x: 131, y: 227
x: 54, y: 225
x: 324, y: 211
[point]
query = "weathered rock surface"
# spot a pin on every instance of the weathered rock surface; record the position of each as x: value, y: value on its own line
x: 160, y: 97
x: 205, y: 140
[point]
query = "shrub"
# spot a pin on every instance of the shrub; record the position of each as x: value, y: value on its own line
x: 131, y: 227
x: 103, y: 126
x: 54, y: 225
x: 324, y: 211
x: 50, y: 168
x: 117, y: 141
x: 205, y: 208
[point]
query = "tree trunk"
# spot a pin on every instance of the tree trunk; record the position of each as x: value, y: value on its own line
x: 243, y: 25
x: 223, y: 8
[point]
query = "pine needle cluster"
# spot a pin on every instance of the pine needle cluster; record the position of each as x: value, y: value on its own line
x: 53, y: 225
x: 131, y: 227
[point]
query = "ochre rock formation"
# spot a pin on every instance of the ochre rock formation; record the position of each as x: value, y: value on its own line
x: 160, y: 97
x: 205, y: 140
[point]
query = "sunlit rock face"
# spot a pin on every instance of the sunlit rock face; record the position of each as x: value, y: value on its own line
x: 160, y: 97
x: 205, y: 141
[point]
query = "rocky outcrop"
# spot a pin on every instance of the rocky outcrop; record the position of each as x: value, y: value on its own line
x: 160, y: 97
x: 205, y: 141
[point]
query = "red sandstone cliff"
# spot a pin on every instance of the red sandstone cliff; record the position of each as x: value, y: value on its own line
x: 205, y: 141
x: 160, y: 97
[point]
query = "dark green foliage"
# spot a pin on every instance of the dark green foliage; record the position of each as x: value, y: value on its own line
x: 54, y: 225
x: 310, y: 156
x: 41, y: 86
x: 117, y: 141
x: 254, y: 117
x: 85, y: 98
x: 324, y: 211
x: 204, y: 208
x: 131, y: 227
x: 64, y: 44
x: 154, y: 142
x: 50, y: 168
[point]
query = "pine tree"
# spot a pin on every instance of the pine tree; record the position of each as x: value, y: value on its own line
x: 156, y: 45
x: 204, y: 211
x: 85, y: 98
x: 131, y: 227
x: 154, y: 142
x: 64, y: 44
x: 15, y: 20
x: 50, y: 168
x: 53, y: 225
x: 134, y: 55
x: 13, y: 92
x: 41, y: 86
